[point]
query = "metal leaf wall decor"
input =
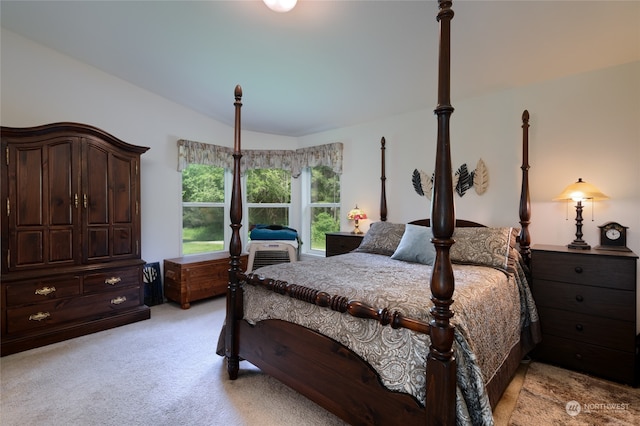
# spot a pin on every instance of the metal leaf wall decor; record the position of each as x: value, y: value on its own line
x: 463, y: 180
x: 422, y: 183
x: 481, y: 178
x: 417, y: 182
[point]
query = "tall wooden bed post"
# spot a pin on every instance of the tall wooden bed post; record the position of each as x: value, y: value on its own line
x: 524, y: 239
x: 441, y: 363
x: 235, y: 310
x: 383, y: 182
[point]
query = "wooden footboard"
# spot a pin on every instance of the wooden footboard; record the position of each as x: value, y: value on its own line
x: 337, y: 379
x: 326, y: 372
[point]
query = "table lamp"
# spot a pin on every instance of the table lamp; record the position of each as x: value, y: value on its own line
x: 578, y: 192
x: 356, y: 214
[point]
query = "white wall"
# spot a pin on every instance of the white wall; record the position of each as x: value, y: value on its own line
x: 39, y: 86
x: 586, y: 126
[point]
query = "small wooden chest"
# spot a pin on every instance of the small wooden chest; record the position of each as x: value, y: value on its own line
x: 196, y: 277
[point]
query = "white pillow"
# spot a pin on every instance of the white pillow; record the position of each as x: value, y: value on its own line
x: 416, y: 246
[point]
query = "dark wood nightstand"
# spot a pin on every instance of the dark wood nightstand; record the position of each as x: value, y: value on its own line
x: 342, y: 242
x: 586, y: 300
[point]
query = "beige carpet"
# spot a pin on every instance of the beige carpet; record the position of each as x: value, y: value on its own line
x: 164, y: 372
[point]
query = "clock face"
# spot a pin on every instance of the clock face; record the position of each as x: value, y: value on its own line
x: 613, y: 234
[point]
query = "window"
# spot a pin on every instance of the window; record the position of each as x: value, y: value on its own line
x: 324, y: 204
x: 203, y: 209
x: 268, y: 197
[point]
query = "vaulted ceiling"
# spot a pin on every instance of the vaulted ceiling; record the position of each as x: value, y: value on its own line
x: 328, y: 64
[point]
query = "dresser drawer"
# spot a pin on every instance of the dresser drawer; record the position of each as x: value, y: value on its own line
x: 597, y: 301
x: 111, y: 279
x: 604, y: 362
x: 586, y: 328
x: 40, y: 290
x: 606, y: 271
x: 55, y: 312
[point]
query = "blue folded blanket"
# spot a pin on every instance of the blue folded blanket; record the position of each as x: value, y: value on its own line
x: 273, y: 232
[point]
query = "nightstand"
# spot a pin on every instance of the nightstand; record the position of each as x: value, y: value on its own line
x: 341, y: 242
x: 586, y: 300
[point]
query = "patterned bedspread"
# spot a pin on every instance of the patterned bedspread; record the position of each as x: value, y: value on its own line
x: 488, y: 316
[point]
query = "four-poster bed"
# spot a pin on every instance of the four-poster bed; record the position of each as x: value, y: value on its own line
x: 372, y: 370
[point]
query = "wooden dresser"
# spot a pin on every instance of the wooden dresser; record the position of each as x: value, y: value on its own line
x: 198, y: 276
x: 71, y: 262
x: 586, y: 300
x: 341, y: 242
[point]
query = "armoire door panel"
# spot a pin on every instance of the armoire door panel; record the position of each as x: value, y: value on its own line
x: 122, y: 241
x: 98, y: 246
x: 29, y: 249
x: 122, y: 189
x: 61, y: 245
x: 96, y: 194
x: 60, y: 188
x: 30, y: 182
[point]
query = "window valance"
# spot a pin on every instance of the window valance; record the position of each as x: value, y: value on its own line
x: 191, y: 152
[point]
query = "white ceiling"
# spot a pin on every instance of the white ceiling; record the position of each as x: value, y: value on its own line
x: 328, y: 64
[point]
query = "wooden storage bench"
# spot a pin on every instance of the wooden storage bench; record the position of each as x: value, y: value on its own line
x: 196, y: 277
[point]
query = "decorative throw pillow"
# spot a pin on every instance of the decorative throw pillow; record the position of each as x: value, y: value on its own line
x: 382, y: 238
x: 416, y: 246
x: 485, y: 246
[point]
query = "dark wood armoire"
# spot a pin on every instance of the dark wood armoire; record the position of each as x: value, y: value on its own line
x: 71, y: 262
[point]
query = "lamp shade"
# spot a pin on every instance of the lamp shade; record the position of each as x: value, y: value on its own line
x: 580, y: 191
x: 280, y: 5
x: 356, y: 214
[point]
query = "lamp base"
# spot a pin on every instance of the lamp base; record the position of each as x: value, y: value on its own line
x: 579, y: 245
x: 357, y: 231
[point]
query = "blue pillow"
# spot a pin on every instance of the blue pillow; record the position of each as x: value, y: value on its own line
x: 416, y: 246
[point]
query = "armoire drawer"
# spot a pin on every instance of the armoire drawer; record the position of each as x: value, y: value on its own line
x: 40, y: 290
x: 74, y: 309
x: 111, y: 279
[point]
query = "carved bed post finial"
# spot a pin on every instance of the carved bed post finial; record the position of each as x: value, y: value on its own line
x: 383, y: 182
x: 234, y: 290
x: 441, y: 363
x: 524, y: 238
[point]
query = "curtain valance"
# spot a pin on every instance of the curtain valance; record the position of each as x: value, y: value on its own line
x: 330, y: 155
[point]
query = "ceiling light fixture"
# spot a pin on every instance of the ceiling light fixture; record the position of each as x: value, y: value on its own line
x: 280, y: 5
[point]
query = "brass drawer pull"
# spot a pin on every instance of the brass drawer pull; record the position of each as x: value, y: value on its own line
x: 112, y: 280
x: 39, y: 316
x: 45, y: 291
x: 118, y: 300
